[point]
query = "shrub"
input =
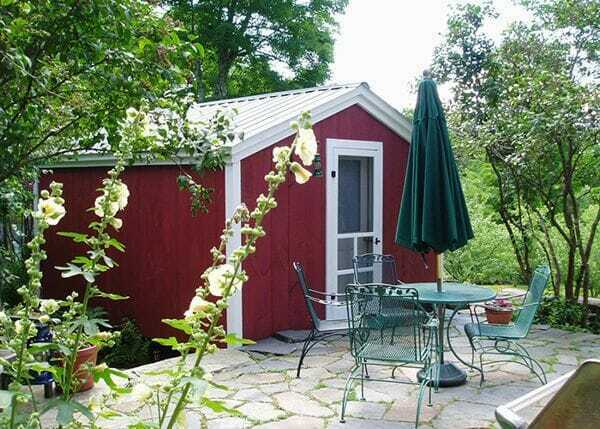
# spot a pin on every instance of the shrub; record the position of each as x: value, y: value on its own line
x: 571, y: 316
x: 131, y: 348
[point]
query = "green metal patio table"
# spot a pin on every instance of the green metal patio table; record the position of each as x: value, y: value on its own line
x: 458, y: 296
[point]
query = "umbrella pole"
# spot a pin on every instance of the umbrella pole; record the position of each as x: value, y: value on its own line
x: 439, y: 268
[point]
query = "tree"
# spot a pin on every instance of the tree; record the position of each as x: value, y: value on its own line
x: 531, y: 106
x: 252, y: 45
x: 68, y: 66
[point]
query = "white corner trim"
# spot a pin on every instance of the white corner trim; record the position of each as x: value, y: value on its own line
x: 233, y: 198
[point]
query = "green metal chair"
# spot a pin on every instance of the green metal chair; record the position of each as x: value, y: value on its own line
x: 503, y: 340
x: 375, y: 268
x: 322, y: 330
x: 401, y: 339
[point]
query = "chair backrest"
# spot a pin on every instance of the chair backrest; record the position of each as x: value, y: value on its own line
x: 533, y: 298
x: 306, y: 292
x: 375, y: 268
x: 392, y: 335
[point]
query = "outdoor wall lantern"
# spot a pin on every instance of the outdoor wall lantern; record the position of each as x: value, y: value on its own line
x: 317, y: 172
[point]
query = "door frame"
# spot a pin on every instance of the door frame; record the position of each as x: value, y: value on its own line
x: 334, y: 149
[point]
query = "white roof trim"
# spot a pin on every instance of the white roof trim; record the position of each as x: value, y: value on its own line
x: 361, y: 96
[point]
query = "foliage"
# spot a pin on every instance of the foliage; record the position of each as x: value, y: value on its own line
x: 568, y: 315
x: 488, y: 259
x: 529, y: 108
x: 119, y: 53
x: 131, y: 348
x: 255, y: 46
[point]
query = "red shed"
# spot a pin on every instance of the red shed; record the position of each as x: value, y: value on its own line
x: 351, y: 209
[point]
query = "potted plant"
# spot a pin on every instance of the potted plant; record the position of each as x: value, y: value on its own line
x: 499, y: 311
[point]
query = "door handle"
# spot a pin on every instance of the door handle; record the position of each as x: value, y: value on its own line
x: 377, y: 241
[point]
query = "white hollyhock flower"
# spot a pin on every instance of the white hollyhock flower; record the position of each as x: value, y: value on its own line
x: 141, y: 392
x: 99, y: 209
x: 301, y: 173
x: 306, y: 145
x: 131, y: 114
x: 197, y: 305
x: 51, y: 211
x: 123, y: 195
x: 3, y: 317
x: 281, y: 153
x: 48, y: 306
x: 116, y: 223
x: 219, y: 277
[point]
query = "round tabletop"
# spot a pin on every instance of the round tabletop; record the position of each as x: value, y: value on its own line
x: 452, y: 293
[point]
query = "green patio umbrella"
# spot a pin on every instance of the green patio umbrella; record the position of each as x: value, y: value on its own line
x: 433, y: 214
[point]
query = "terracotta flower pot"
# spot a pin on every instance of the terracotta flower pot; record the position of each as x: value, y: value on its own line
x: 86, y: 381
x: 499, y: 317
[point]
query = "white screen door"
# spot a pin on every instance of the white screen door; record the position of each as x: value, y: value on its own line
x: 354, y: 210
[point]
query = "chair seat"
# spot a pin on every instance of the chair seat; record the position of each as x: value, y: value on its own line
x: 389, y: 353
x: 332, y: 326
x: 511, y: 331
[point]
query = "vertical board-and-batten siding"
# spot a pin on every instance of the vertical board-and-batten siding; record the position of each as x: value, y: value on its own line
x: 166, y: 248
x: 272, y: 300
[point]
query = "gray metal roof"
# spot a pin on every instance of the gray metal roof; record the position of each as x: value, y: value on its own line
x: 259, y: 113
x: 265, y: 119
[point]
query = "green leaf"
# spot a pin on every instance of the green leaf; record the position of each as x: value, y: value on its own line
x: 198, y: 388
x: 116, y: 244
x: 107, y: 375
x: 112, y: 296
x: 219, y: 407
x: 66, y: 409
x: 77, y: 237
x: 88, y: 276
x: 69, y: 271
x: 169, y: 342
x: 233, y: 340
x: 179, y: 324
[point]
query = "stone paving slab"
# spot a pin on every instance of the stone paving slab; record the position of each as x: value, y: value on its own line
x: 264, y: 389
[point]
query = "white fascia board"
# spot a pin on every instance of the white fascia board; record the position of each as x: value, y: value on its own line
x: 108, y: 160
x: 233, y: 198
x: 361, y: 96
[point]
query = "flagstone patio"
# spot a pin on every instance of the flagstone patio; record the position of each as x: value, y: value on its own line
x: 265, y: 391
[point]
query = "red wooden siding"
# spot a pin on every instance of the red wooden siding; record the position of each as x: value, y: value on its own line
x: 167, y: 248
x: 296, y: 228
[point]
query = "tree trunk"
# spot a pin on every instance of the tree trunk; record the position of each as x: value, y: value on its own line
x: 221, y: 91
x: 199, y: 88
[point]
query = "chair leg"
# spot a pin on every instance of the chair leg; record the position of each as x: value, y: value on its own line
x: 524, y: 354
x: 305, y: 349
x: 362, y: 382
x: 347, y: 391
x: 422, y: 386
x: 482, y: 379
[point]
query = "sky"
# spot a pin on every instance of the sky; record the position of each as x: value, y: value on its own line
x: 388, y: 43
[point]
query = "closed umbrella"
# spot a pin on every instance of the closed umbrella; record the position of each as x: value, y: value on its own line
x: 433, y: 214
